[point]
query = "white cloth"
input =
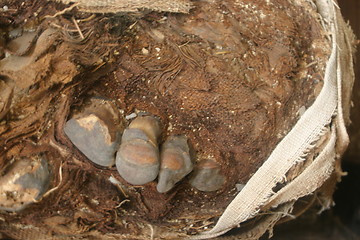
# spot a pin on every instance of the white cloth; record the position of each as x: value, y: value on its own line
x: 324, y: 117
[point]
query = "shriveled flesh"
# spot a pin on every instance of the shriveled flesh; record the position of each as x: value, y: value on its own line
x: 232, y: 76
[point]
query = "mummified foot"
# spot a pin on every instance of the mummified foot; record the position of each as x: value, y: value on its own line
x: 96, y: 131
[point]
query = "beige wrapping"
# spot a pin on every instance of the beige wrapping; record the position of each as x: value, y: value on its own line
x: 112, y: 6
x: 325, y: 118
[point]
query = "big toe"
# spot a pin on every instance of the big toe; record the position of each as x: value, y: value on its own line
x: 96, y: 131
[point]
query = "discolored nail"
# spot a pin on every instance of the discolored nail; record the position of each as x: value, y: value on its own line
x: 137, y: 160
x: 23, y: 183
x: 96, y: 131
x: 175, y: 162
x: 207, y: 176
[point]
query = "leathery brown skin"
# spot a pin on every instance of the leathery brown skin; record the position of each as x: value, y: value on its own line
x: 176, y: 162
x: 96, y: 131
x: 207, y: 176
x: 137, y: 160
x: 6, y: 94
x: 25, y: 181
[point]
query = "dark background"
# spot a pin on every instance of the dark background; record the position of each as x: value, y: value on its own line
x: 347, y: 197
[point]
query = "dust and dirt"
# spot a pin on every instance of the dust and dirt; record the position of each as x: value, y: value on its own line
x: 231, y: 75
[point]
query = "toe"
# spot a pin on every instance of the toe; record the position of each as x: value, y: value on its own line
x: 137, y: 160
x: 207, y: 176
x: 175, y: 162
x: 149, y: 125
x: 96, y: 131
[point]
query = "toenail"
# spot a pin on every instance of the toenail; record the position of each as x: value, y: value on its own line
x: 207, y: 176
x: 96, y: 131
x: 149, y: 125
x: 175, y: 162
x: 24, y: 183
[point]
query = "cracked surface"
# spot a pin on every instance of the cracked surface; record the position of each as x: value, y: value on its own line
x: 23, y: 183
x: 96, y: 131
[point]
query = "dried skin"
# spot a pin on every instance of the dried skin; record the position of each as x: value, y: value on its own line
x: 6, y: 95
x: 219, y: 89
x: 228, y: 76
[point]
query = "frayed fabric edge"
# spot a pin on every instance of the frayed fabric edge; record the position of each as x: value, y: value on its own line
x: 252, y: 198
